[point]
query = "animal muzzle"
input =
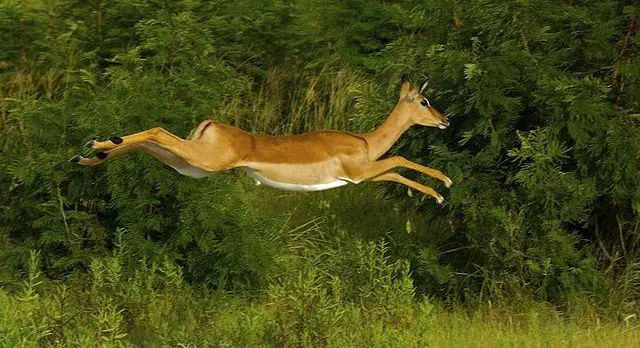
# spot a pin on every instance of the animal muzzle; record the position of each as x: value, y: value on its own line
x: 444, y: 124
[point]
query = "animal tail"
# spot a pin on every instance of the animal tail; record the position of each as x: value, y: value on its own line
x: 197, y: 132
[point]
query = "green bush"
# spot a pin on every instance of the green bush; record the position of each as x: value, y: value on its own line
x: 543, y: 151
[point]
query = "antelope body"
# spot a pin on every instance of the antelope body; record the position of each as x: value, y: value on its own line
x: 307, y: 162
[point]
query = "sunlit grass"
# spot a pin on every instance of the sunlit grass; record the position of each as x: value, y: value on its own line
x: 194, y: 319
x: 155, y: 307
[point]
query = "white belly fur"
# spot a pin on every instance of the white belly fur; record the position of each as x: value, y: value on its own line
x: 186, y: 169
x: 260, y: 179
x: 193, y: 172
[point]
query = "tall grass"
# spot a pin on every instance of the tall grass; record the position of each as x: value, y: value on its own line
x: 154, y: 307
x: 287, y: 102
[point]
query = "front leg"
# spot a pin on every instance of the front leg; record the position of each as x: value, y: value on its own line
x: 392, y: 176
x: 382, y: 171
x: 382, y: 166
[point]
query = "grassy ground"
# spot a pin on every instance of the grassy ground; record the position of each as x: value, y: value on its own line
x: 224, y: 321
x: 149, y: 304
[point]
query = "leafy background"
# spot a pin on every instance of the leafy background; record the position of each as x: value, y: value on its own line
x: 541, y: 224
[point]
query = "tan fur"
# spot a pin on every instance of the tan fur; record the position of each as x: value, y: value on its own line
x: 312, y: 160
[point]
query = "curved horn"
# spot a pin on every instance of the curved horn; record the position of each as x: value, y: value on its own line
x: 424, y: 86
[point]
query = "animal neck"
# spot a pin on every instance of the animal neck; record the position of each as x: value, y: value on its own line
x: 382, y: 138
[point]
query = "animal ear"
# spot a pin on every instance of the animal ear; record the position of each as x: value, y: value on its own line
x: 406, y: 86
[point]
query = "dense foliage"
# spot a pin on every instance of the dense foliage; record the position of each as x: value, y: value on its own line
x: 544, y: 152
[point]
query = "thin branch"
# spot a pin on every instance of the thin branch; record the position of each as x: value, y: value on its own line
x: 630, y: 30
x: 604, y: 250
x: 64, y: 215
x: 460, y: 248
x: 622, y: 243
x: 493, y: 128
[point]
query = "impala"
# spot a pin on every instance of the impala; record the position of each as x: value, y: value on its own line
x: 306, y: 162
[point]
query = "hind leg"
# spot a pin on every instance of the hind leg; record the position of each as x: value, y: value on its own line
x: 165, y: 146
x: 134, y: 139
x: 102, y: 156
x: 165, y: 156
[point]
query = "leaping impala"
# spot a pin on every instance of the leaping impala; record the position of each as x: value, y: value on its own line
x: 307, y: 162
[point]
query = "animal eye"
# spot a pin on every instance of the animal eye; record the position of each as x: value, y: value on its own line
x: 425, y: 102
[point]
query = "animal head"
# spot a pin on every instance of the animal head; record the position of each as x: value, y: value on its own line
x: 418, y: 108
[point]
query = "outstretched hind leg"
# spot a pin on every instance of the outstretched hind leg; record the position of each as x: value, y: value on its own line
x: 165, y: 156
x: 187, y: 157
x: 156, y: 134
x: 155, y: 137
x: 102, y: 156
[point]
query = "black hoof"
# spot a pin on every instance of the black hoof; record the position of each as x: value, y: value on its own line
x: 116, y: 140
x: 75, y: 159
x: 89, y: 143
x: 101, y: 155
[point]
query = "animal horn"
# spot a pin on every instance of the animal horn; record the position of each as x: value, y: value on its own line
x: 424, y: 86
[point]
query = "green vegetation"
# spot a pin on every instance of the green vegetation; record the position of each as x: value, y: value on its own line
x: 538, y: 245
x: 155, y: 307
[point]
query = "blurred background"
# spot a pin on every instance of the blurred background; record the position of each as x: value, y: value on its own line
x: 538, y: 244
